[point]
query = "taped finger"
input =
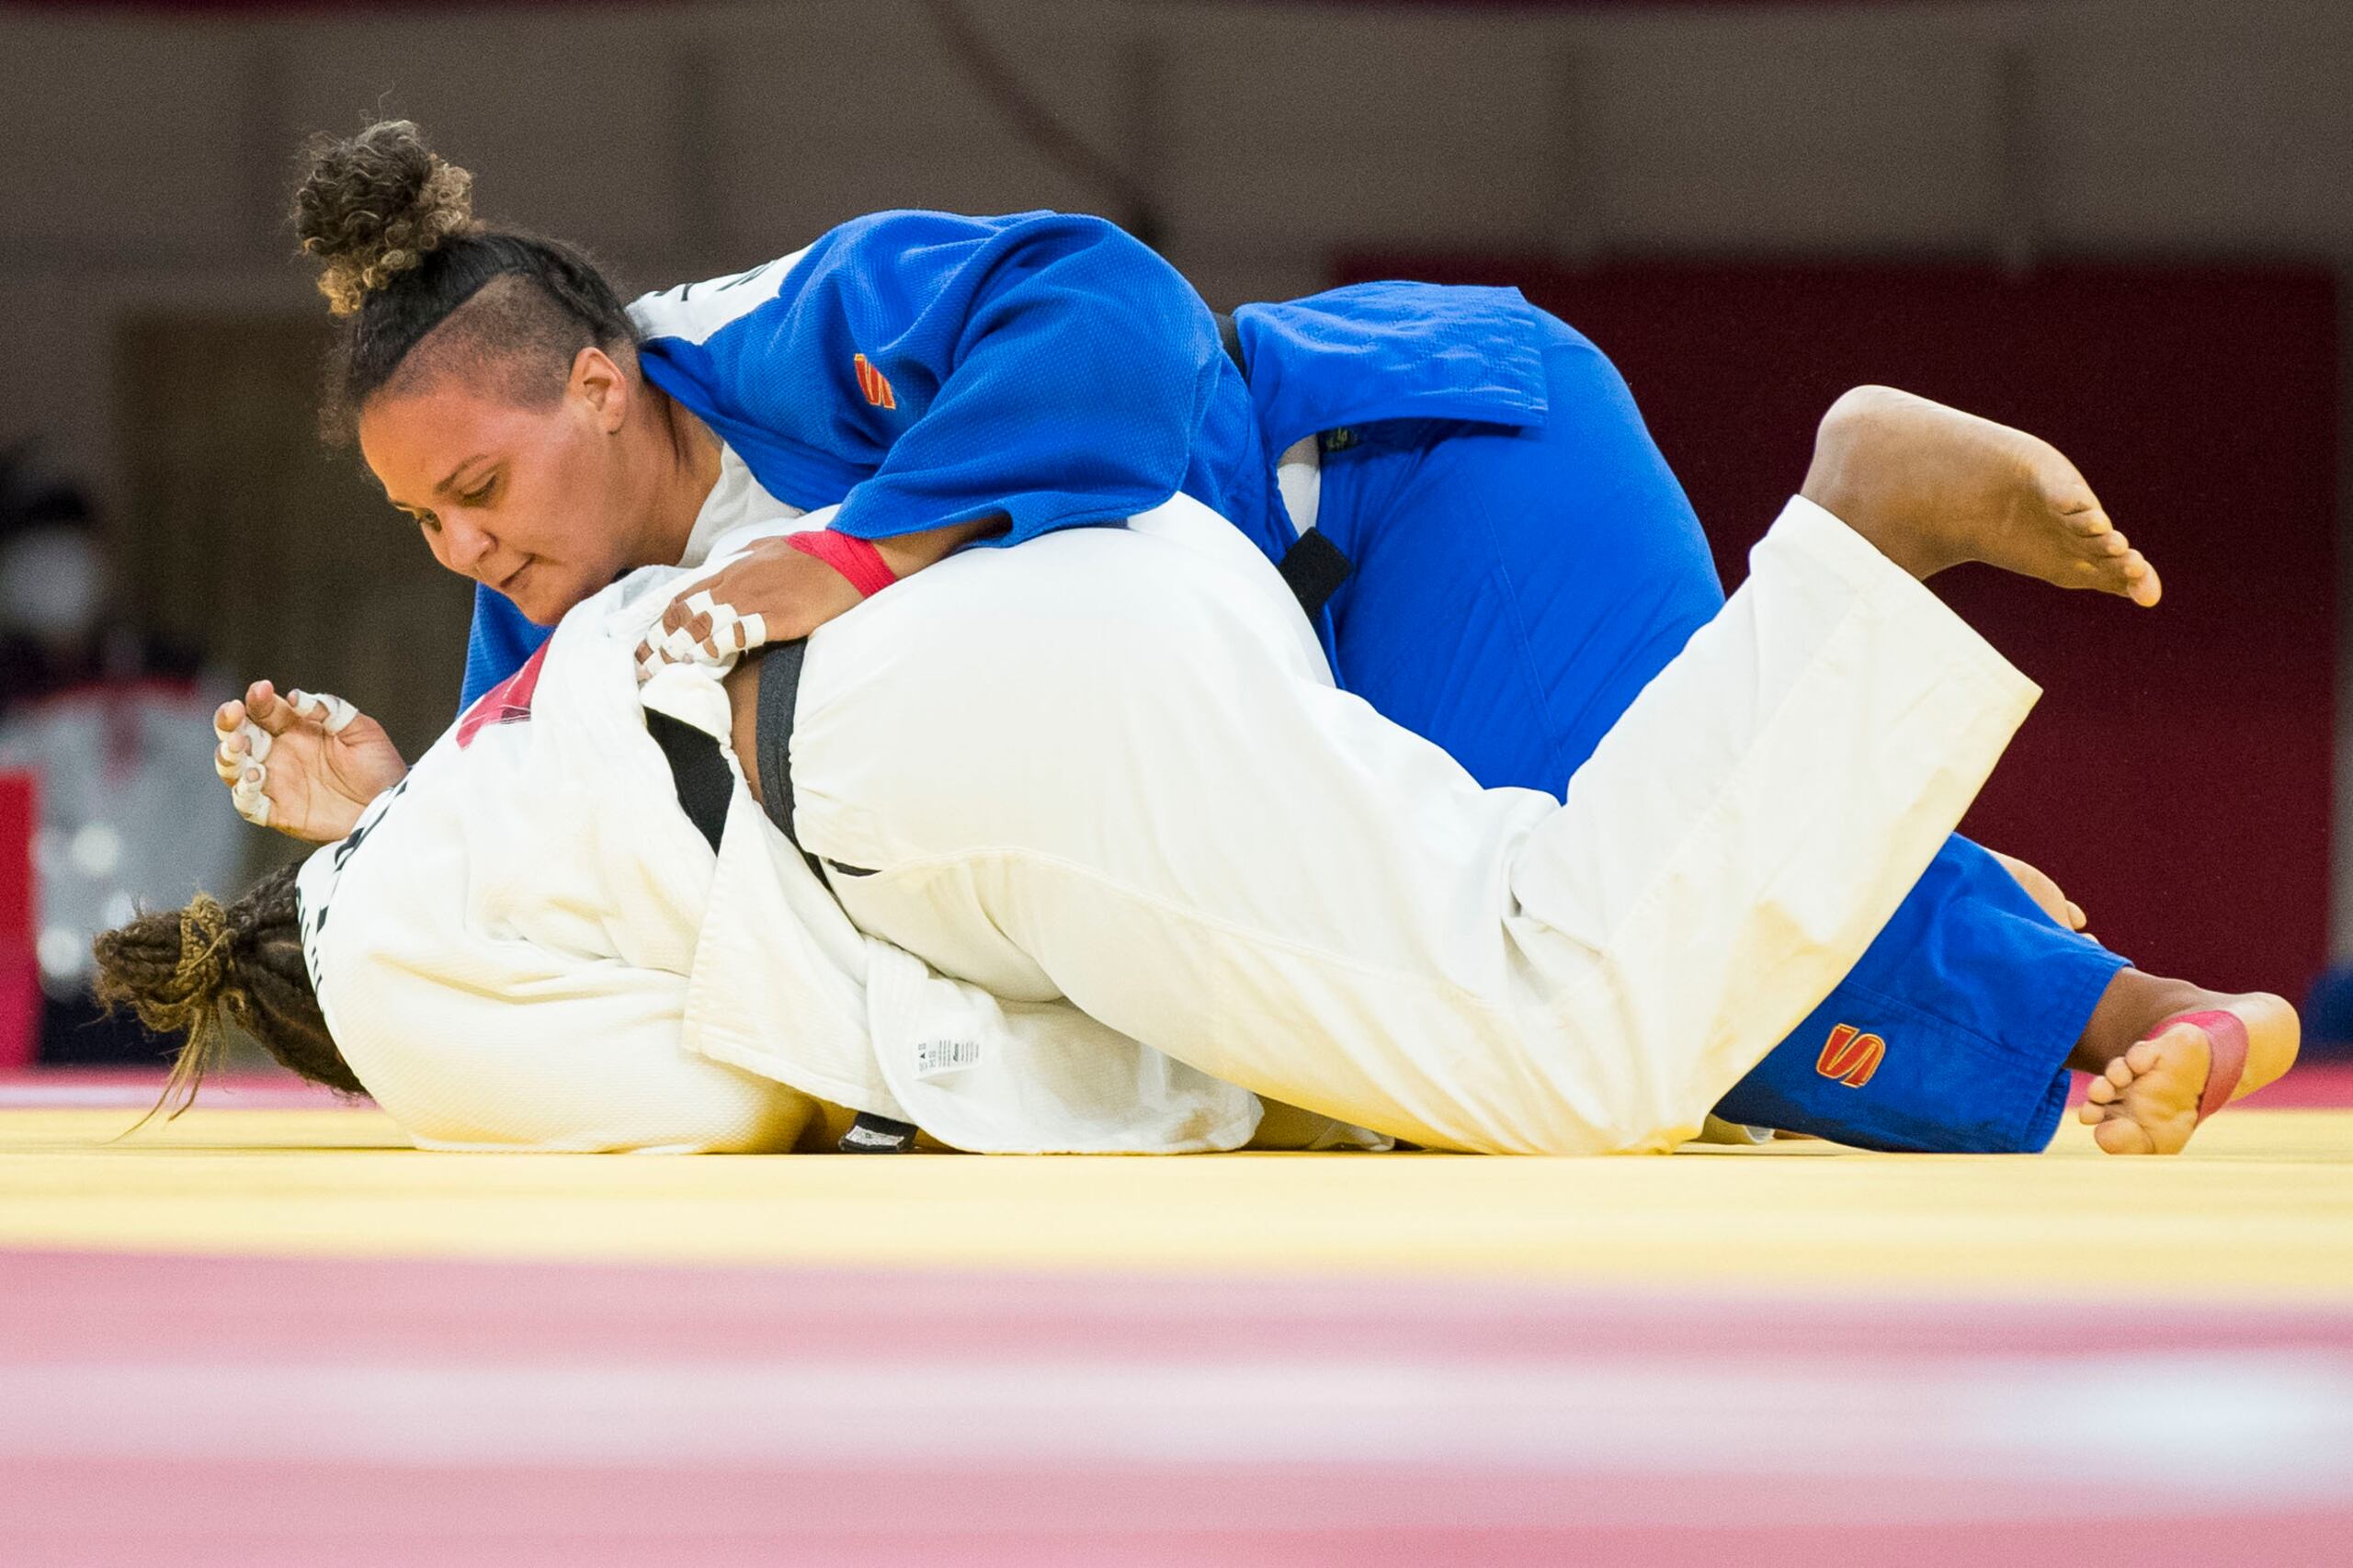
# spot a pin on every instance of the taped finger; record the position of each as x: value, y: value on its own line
x: 247, y: 796
x: 229, y: 757
x: 332, y: 711
x: 267, y: 709
x: 731, y: 633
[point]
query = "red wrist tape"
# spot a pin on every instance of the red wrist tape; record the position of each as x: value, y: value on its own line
x: 856, y: 559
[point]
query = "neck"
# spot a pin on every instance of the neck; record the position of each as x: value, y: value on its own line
x: 687, y: 455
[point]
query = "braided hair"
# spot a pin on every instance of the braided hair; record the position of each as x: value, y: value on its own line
x: 402, y: 258
x: 182, y: 971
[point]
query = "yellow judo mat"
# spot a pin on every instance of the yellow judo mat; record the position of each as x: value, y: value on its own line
x: 2261, y: 1207
x: 262, y: 1335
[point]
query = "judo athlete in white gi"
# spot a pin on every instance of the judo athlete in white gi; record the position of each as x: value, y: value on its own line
x: 1492, y: 553
x: 1241, y: 877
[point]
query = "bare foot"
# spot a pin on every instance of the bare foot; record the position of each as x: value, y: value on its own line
x: 1933, y: 487
x: 2045, y: 893
x: 2147, y: 1103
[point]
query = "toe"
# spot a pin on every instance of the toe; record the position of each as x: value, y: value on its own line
x: 2119, y: 1072
x: 2111, y: 565
x: 2122, y: 1135
x: 2090, y: 521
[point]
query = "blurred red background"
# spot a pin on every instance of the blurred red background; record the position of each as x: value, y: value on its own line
x: 2175, y: 777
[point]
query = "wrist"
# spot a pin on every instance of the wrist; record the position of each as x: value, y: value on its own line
x: 351, y: 806
x: 910, y: 553
x: 857, y: 561
x: 354, y: 792
x: 326, y: 825
x: 905, y: 555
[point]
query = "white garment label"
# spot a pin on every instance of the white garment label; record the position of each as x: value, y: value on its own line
x: 939, y: 1057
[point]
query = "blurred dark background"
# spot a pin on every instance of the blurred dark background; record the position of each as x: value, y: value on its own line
x: 2124, y: 224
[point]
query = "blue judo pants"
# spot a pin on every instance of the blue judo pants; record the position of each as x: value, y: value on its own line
x: 1513, y: 590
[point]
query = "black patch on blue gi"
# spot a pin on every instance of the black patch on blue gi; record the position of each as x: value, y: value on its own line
x: 1314, y: 570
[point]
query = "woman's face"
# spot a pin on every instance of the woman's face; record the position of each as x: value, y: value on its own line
x: 528, y: 497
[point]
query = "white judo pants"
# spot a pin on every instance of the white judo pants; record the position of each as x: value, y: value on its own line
x: 1107, y: 767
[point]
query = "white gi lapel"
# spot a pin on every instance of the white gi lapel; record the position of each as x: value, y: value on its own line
x: 783, y: 985
x: 778, y: 981
x: 778, y: 985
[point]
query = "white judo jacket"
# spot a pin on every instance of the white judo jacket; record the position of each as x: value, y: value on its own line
x: 1108, y: 768
x: 527, y: 945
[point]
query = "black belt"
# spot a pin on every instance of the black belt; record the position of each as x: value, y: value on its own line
x: 1313, y: 567
x: 1231, y: 335
x: 779, y: 695
x: 705, y: 784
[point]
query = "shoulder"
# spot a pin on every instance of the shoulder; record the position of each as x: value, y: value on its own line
x: 863, y: 248
x: 885, y: 254
x: 691, y: 312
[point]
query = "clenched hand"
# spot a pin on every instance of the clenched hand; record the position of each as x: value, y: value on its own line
x: 772, y: 594
x: 305, y: 763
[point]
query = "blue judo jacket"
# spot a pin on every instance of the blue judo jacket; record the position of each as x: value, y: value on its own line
x: 924, y: 370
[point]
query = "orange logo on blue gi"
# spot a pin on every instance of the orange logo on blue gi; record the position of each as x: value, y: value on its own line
x: 1851, y: 1056
x: 875, y: 385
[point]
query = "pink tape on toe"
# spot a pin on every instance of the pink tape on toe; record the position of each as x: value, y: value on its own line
x: 2227, y: 1040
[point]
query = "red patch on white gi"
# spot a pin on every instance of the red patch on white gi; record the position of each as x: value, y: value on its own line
x: 508, y: 702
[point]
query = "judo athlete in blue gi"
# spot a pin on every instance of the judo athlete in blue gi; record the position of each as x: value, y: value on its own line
x: 1520, y: 561
x: 1497, y: 556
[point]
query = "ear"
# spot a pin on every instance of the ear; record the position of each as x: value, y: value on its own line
x: 600, y: 382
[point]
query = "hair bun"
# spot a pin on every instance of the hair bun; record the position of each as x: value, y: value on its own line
x: 374, y: 205
x: 174, y: 969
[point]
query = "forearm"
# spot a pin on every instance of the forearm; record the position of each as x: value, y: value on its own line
x: 785, y: 587
x: 908, y: 553
x: 865, y: 566
x: 1062, y: 371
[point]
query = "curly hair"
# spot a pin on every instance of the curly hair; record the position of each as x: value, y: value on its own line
x: 401, y: 258
x: 184, y: 971
x: 374, y: 207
